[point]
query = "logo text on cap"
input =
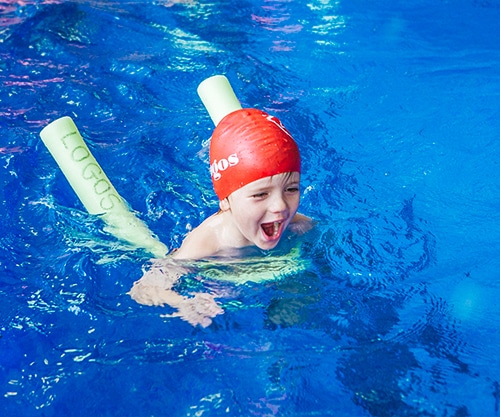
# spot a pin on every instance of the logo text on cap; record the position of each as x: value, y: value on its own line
x: 221, y: 165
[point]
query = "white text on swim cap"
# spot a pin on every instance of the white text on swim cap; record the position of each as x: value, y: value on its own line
x: 218, y: 166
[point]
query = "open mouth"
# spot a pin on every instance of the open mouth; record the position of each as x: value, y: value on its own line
x: 272, y: 229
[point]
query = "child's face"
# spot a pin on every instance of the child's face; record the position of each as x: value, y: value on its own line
x: 263, y: 209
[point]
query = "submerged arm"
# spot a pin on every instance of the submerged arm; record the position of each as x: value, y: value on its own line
x: 156, y: 288
x: 301, y: 224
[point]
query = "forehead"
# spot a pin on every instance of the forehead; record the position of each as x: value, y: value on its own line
x: 274, y: 180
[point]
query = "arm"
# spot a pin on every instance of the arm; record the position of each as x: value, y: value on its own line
x: 155, y: 288
x: 301, y: 224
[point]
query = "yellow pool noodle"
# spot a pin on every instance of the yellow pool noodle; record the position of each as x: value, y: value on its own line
x: 218, y: 97
x: 93, y: 187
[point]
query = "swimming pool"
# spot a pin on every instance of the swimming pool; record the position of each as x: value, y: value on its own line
x: 395, y: 108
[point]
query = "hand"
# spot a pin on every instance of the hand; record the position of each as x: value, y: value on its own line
x: 199, y: 309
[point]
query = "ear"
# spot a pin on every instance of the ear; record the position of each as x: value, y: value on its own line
x: 224, y: 205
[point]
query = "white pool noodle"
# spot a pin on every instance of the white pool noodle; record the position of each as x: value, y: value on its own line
x: 93, y: 188
x: 218, y: 97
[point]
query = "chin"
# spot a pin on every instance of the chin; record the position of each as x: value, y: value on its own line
x: 268, y: 245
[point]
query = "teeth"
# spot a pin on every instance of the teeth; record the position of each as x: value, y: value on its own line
x: 276, y: 227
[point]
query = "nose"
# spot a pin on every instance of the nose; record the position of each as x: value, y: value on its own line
x: 278, y: 204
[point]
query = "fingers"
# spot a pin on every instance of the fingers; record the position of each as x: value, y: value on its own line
x: 198, y: 310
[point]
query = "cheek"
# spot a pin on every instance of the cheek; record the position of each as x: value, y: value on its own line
x: 249, y: 218
x: 294, y: 202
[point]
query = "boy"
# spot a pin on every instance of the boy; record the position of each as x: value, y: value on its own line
x: 255, y: 169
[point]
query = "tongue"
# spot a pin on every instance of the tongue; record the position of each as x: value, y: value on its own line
x: 270, y: 229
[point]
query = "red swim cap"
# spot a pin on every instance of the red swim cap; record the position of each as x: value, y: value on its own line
x: 248, y: 145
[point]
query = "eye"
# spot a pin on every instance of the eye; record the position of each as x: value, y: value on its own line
x: 292, y: 190
x: 259, y: 195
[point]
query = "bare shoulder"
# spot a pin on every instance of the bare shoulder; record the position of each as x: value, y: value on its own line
x: 301, y: 224
x: 201, y: 242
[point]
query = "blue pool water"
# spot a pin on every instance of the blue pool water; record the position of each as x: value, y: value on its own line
x: 394, y: 105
